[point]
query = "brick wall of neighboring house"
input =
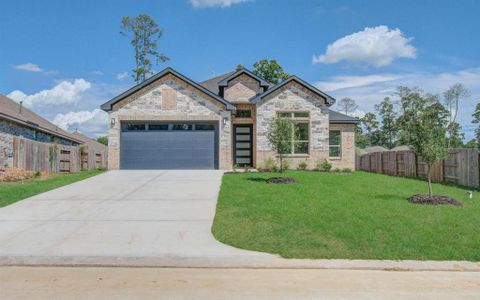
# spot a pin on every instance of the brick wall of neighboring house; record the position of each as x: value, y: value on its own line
x: 6, y: 150
x: 188, y: 104
x: 347, y: 159
x: 242, y: 88
x: 294, y: 97
x: 29, y: 133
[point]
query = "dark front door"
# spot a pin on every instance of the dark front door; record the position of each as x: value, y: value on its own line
x: 243, y: 145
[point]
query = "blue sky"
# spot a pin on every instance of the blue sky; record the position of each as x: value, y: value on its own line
x: 65, y: 58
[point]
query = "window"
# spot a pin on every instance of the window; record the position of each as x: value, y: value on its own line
x: 134, y: 126
x: 204, y: 127
x: 335, y: 138
x: 158, y: 127
x: 243, y: 113
x: 182, y: 127
x: 299, y: 142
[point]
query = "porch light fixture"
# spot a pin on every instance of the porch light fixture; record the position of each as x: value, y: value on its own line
x: 225, y: 120
x: 112, y: 122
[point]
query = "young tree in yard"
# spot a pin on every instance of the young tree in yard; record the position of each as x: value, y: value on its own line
x: 476, y: 120
x: 103, y: 140
x: 451, y: 98
x: 388, y: 128
x: 269, y: 70
x: 144, y: 34
x: 280, y: 133
x: 348, y: 106
x: 427, y: 137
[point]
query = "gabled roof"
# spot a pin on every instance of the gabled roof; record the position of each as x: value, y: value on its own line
x: 329, y: 99
x: 87, y: 140
x: 212, y: 83
x: 10, y: 110
x: 107, y: 106
x: 226, y: 80
x: 338, y: 118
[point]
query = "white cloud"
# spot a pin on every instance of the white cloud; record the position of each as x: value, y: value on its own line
x: 369, y: 94
x: 65, y: 92
x: 215, y: 3
x: 377, y: 46
x: 93, y: 123
x: 122, y: 76
x: 342, y: 82
x: 29, y: 67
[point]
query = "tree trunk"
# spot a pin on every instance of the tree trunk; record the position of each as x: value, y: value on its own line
x: 281, y: 163
x: 429, y: 170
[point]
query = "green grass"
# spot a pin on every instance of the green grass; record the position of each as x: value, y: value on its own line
x: 15, y: 191
x: 355, y: 216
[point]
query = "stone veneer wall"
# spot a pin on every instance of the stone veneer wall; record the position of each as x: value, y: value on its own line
x: 6, y: 150
x: 13, y: 128
x: 294, y: 97
x: 242, y: 88
x: 347, y: 160
x: 190, y: 104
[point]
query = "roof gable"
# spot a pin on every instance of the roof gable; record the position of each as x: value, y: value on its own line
x: 107, y: 106
x: 329, y: 99
x: 225, y: 81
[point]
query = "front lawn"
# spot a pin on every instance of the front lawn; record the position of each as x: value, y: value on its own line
x: 11, y: 192
x: 355, y: 216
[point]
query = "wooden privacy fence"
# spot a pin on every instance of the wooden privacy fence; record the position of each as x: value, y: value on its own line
x: 460, y: 167
x: 55, y: 158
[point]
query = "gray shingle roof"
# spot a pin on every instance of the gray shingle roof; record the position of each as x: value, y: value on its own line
x: 212, y: 83
x: 10, y: 110
x: 339, y: 118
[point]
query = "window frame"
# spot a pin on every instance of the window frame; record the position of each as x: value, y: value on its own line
x: 330, y: 146
x: 244, y: 110
x: 297, y: 120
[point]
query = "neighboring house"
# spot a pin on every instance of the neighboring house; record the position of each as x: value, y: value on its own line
x: 92, y: 153
x: 172, y: 122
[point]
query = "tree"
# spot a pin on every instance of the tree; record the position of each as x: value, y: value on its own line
x: 360, y: 138
x: 473, y: 143
x: 456, y: 136
x: 348, y: 105
x: 427, y: 137
x: 370, y: 127
x: 280, y: 133
x: 269, y: 70
x: 144, y: 34
x: 103, y: 140
x: 412, y: 101
x: 476, y: 120
x: 451, y: 98
x: 388, y: 128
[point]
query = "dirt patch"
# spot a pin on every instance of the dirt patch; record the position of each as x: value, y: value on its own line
x: 434, y: 200
x: 284, y: 180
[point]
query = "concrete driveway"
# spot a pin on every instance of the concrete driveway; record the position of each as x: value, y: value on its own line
x: 119, y: 218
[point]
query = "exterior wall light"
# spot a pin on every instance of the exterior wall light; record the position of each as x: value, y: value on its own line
x: 112, y: 122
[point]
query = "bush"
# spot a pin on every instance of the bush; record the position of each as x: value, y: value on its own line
x: 336, y: 170
x: 302, y: 165
x: 37, y: 174
x: 101, y: 168
x: 347, y: 170
x: 324, y: 166
x: 269, y: 166
x: 285, y: 164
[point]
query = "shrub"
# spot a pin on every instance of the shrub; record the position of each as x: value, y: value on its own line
x: 285, y: 164
x: 38, y: 174
x: 269, y: 165
x: 324, y: 166
x: 302, y: 165
x: 336, y: 170
x: 102, y: 168
x: 347, y: 170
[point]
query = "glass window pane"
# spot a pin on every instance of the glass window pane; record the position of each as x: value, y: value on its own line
x: 335, y: 137
x: 301, y: 115
x: 285, y: 114
x: 244, y: 137
x: 242, y: 145
x: 182, y: 127
x: 301, y: 131
x: 242, y: 153
x: 134, y: 126
x: 204, y: 127
x: 242, y: 160
x: 335, y: 151
x: 301, y: 147
x: 158, y: 127
x: 243, y: 113
x: 242, y: 129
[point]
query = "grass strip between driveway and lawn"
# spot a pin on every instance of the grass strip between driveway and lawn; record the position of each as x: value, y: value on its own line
x: 351, y: 216
x: 11, y: 192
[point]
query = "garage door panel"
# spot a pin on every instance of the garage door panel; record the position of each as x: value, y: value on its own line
x: 168, y: 150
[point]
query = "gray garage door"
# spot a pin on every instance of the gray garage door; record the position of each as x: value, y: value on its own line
x: 168, y: 146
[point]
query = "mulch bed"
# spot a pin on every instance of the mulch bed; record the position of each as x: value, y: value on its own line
x: 284, y: 180
x: 434, y: 200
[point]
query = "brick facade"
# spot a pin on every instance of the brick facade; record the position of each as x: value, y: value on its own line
x: 347, y: 159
